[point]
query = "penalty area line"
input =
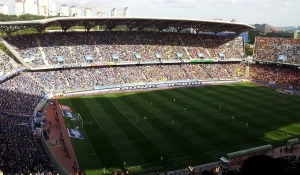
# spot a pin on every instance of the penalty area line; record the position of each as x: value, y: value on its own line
x: 97, y: 121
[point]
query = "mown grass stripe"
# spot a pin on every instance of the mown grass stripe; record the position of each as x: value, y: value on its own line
x: 95, y: 138
x: 220, y: 129
x: 266, y: 111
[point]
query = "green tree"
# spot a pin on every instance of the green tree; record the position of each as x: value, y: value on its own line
x: 251, y: 36
x: 2, y: 47
x: 248, y: 50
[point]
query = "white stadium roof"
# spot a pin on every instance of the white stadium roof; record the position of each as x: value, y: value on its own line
x: 131, y: 22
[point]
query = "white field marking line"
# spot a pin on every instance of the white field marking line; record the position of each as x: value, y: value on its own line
x: 129, y: 120
x: 97, y: 121
x: 88, y: 139
x: 194, y: 102
x: 119, y: 143
x: 137, y: 119
x: 71, y: 103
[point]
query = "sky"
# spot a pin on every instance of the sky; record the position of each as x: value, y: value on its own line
x: 277, y: 13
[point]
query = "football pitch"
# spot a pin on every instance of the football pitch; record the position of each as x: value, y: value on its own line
x: 162, y: 130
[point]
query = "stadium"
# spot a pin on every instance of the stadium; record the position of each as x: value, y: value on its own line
x: 145, y: 98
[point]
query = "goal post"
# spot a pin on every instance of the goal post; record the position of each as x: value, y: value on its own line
x: 79, y: 119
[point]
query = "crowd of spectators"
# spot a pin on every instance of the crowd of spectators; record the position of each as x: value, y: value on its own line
x: 286, y: 76
x: 269, y: 49
x: 73, y: 47
x: 20, y: 153
x: 19, y: 95
x: 211, y: 45
x: 7, y: 65
x: 87, y: 78
x: 28, y: 48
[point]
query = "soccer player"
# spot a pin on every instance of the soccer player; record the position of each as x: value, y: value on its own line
x: 174, y: 99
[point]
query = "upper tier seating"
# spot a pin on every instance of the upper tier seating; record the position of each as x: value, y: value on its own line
x: 73, y: 47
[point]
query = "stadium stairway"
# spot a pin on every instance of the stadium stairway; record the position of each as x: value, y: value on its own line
x: 72, y: 53
x: 66, y: 80
x: 143, y: 74
x: 247, y: 72
x: 185, y: 49
x: 229, y: 74
x: 167, y: 78
x: 187, y: 75
x: 208, y: 53
x: 97, y: 51
x: 15, y: 53
x: 42, y: 51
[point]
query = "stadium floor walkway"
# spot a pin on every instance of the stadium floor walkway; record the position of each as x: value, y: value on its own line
x: 58, y: 128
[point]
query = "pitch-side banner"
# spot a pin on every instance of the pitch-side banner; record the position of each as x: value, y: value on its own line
x: 66, y: 108
x: 68, y: 114
x: 75, y: 133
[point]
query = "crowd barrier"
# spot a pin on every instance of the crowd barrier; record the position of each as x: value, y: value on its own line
x: 55, y: 162
x: 143, y: 86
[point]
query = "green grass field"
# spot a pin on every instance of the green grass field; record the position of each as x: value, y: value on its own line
x: 116, y: 131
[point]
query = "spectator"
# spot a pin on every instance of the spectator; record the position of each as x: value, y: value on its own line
x: 43, y: 50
